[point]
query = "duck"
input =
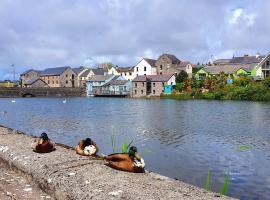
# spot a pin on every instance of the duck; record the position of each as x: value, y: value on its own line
x: 129, y: 162
x: 87, y: 147
x: 13, y: 101
x: 43, y: 144
x: 64, y: 101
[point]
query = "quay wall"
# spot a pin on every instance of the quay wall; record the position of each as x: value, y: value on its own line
x: 65, y: 175
x: 41, y: 92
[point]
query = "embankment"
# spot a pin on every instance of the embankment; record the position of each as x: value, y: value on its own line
x: 65, y: 175
x: 41, y: 92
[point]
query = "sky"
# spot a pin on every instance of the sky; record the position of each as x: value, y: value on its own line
x: 53, y: 33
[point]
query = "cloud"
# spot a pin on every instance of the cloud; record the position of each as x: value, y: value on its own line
x: 39, y: 34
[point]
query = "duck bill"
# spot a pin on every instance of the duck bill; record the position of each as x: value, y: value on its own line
x: 137, y: 156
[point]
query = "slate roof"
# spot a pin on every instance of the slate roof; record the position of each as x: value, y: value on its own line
x: 53, y: 71
x: 29, y: 70
x: 99, y: 71
x: 228, y: 69
x: 246, y: 59
x: 78, y: 69
x: 154, y: 78
x: 125, y: 69
x: 33, y: 80
x: 174, y: 59
x: 85, y: 73
x: 221, y: 61
x: 151, y: 61
x: 97, y: 78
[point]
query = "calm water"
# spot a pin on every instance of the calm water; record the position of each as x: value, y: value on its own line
x: 180, y: 139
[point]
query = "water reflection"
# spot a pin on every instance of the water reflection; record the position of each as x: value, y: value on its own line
x: 180, y: 139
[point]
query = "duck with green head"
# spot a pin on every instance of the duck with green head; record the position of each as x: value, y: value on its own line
x: 130, y: 162
x: 43, y: 144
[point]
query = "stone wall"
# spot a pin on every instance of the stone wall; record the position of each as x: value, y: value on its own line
x: 42, y: 92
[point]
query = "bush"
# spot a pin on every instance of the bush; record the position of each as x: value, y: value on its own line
x: 266, y: 82
x: 179, y: 87
x: 208, y: 95
x: 181, y: 77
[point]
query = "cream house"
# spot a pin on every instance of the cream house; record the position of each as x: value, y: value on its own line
x: 126, y: 72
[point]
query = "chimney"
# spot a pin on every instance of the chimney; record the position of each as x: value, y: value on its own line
x: 246, y: 55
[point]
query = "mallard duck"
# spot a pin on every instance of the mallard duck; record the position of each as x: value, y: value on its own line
x: 130, y: 162
x: 43, y: 144
x: 87, y: 147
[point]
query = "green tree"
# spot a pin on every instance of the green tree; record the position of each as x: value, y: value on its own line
x: 181, y: 77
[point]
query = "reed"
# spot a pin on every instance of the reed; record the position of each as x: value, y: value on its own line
x: 208, y: 180
x: 224, y: 187
x: 125, y: 146
x: 113, y: 141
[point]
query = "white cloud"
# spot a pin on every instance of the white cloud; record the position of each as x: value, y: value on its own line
x: 235, y: 15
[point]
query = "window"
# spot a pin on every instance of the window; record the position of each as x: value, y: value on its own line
x: 154, y: 91
x: 267, y: 63
x: 202, y: 76
x: 160, y: 67
x: 66, y: 82
x: 135, y: 85
x: 52, y: 82
x: 171, y: 83
x: 130, y: 73
x: 163, y: 84
x: 137, y: 69
x: 143, y: 84
x: 160, y: 73
x: 144, y: 68
x: 135, y: 91
x: 125, y: 74
x: 154, y: 84
x: 66, y: 75
x: 56, y: 82
x: 141, y: 91
x: 48, y: 82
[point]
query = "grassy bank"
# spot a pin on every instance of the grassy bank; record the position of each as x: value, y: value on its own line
x: 242, y: 88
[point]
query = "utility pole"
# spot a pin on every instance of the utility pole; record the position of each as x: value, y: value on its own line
x: 13, y: 66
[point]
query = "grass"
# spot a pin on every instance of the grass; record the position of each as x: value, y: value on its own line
x: 208, y: 180
x: 124, y: 147
x: 243, y: 148
x: 224, y: 187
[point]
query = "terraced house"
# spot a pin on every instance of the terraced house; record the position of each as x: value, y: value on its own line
x: 256, y: 66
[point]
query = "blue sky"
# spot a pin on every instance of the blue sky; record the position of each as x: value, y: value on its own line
x: 39, y: 34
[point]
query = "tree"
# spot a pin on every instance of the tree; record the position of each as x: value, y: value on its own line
x: 181, y: 77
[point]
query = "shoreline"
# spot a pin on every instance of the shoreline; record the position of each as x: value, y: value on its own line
x: 65, y: 175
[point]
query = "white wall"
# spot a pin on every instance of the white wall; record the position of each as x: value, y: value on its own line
x: 172, y: 80
x: 141, y: 72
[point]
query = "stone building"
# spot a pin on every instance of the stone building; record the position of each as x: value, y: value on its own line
x: 54, y: 77
x: 36, y: 83
x: 151, y: 85
x: 170, y: 64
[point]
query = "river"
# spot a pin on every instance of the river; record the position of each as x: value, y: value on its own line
x: 179, y: 139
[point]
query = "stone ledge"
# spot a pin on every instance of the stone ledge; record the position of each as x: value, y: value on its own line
x: 65, y: 175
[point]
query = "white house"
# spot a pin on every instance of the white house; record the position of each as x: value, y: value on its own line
x: 145, y: 67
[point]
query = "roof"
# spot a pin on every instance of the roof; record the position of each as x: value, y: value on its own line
x: 33, y: 80
x: 99, y: 71
x: 154, y: 78
x: 96, y: 78
x: 29, y: 70
x: 118, y: 82
x: 173, y: 58
x: 246, y: 59
x: 125, y: 69
x: 85, y: 73
x: 150, y: 61
x: 228, y: 69
x: 78, y: 69
x: 221, y: 61
x: 53, y: 71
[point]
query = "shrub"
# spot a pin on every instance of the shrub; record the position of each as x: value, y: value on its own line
x: 208, y: 95
x: 179, y: 87
x: 181, y: 77
x: 266, y: 82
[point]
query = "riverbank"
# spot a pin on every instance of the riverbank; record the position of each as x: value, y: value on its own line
x: 64, y: 175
